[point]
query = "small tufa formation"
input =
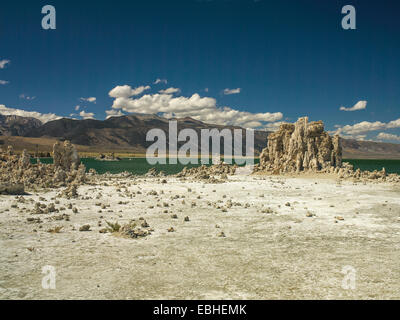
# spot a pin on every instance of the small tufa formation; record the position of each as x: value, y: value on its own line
x: 302, y: 146
x: 65, y: 156
x: 208, y: 172
x: 17, y: 170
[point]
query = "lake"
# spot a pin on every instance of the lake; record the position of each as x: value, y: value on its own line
x: 140, y: 165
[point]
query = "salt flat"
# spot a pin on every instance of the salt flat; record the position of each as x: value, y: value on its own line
x: 285, y: 238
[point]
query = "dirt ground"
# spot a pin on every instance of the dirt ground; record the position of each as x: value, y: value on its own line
x: 285, y: 238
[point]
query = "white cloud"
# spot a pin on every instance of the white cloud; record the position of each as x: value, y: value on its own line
x: 232, y: 91
x: 206, y: 89
x: 388, y: 136
x: 366, y: 126
x: 3, y: 82
x: 359, y: 130
x: 273, y: 126
x: 170, y: 91
x: 33, y: 114
x: 25, y: 97
x: 360, y: 105
x: 114, y: 113
x: 86, y: 115
x: 360, y: 137
x: 127, y: 91
x: 200, y: 108
x: 3, y: 63
x: 161, y: 81
x: 77, y: 108
x: 90, y: 99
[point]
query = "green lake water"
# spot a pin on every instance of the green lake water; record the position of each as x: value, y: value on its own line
x: 141, y: 166
x: 391, y: 166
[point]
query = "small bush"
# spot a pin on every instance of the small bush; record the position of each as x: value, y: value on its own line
x: 113, y: 227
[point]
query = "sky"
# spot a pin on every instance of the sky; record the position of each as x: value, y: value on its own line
x: 252, y: 63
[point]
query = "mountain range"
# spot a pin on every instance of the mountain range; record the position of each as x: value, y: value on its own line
x: 127, y: 134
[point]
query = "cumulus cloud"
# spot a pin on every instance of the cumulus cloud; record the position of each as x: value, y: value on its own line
x: 232, y: 91
x: 161, y: 81
x: 273, y: 126
x: 90, y: 99
x: 25, y: 97
x: 43, y: 117
x: 200, y: 108
x: 360, y: 137
x: 127, y: 91
x: 3, y: 82
x: 170, y: 91
x: 114, y: 113
x: 86, y: 115
x: 360, y: 105
x: 3, y: 63
x: 366, y: 126
x: 388, y: 136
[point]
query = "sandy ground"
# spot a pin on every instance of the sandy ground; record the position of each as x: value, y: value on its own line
x: 282, y: 241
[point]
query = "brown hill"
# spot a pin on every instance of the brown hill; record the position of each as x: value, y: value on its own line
x: 353, y: 149
x: 127, y: 134
x: 123, y: 134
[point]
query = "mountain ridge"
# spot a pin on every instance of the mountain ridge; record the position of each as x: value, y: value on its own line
x: 128, y: 134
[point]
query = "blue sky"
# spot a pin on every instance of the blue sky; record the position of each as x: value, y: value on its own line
x: 288, y: 58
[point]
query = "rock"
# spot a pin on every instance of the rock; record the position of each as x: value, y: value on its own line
x: 303, y: 146
x: 145, y: 224
x: 130, y: 230
x: 12, y: 189
x: 187, y: 219
x: 24, y: 160
x: 18, y: 170
x: 204, y: 172
x: 152, y: 172
x: 86, y: 227
x: 65, y: 156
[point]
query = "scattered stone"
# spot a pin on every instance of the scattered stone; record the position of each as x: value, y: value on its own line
x: 206, y: 173
x: 12, y: 189
x: 86, y: 227
x: 55, y: 230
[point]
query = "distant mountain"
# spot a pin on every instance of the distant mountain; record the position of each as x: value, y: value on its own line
x: 16, y: 125
x: 128, y: 134
x: 353, y: 149
x: 124, y: 132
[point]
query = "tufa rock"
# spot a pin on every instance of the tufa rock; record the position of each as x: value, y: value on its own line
x: 19, y: 172
x: 303, y: 146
